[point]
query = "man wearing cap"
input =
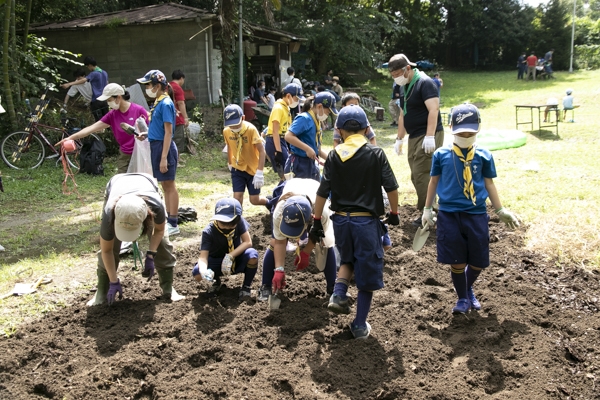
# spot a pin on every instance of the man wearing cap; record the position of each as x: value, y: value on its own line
x: 122, y: 111
x: 420, y: 118
x: 98, y: 79
x: 462, y: 176
x: 305, y: 137
x: 245, y: 155
x: 279, y: 122
x: 354, y: 173
x: 132, y: 207
x: 226, y: 249
x: 292, y: 216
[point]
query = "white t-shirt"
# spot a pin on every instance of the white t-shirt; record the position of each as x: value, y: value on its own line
x: 308, y: 188
x: 84, y: 89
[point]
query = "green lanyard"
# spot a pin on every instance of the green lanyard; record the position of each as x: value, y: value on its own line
x: 414, y: 79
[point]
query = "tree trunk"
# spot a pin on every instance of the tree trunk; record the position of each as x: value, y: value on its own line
x: 15, y: 54
x: 5, y: 67
x: 26, y: 27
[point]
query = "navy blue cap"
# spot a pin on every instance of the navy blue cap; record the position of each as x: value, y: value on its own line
x: 153, y: 76
x: 352, y: 118
x: 327, y: 100
x: 465, y: 118
x: 293, y: 88
x: 227, y: 209
x: 296, y: 214
x: 232, y: 115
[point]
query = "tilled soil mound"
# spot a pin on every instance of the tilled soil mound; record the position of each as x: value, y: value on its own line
x: 536, y: 338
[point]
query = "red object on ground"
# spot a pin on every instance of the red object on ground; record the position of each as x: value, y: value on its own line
x: 248, y: 111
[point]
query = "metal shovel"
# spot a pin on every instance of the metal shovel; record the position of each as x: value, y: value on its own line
x: 420, y: 237
x: 274, y: 302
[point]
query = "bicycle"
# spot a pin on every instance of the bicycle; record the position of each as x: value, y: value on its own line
x: 26, y: 150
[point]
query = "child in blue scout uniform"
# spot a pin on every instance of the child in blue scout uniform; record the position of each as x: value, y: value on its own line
x: 353, y: 175
x: 305, y: 137
x: 279, y: 123
x: 462, y: 176
x: 163, y: 151
x: 292, y: 216
x: 226, y: 249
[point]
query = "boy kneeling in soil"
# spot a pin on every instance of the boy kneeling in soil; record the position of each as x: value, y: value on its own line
x: 462, y: 176
x: 226, y: 249
x: 353, y: 175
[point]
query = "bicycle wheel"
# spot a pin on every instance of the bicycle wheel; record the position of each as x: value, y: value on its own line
x: 19, y: 151
x: 73, y: 156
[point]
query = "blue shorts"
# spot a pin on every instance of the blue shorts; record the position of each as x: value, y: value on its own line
x: 270, y: 150
x: 241, y: 262
x: 302, y: 167
x: 463, y: 238
x: 156, y: 148
x: 358, y: 240
x: 242, y: 180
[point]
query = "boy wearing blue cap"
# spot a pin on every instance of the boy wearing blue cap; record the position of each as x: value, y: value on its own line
x: 353, y: 176
x: 226, y: 249
x: 462, y: 176
x: 279, y: 122
x: 163, y: 151
x: 305, y: 137
x: 245, y: 155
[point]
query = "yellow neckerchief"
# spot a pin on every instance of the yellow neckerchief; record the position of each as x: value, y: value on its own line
x: 229, y: 237
x: 468, y: 189
x: 319, y: 133
x: 350, y: 146
x: 240, y: 142
x: 158, y: 100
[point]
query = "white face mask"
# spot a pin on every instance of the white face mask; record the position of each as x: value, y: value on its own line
x: 150, y: 93
x: 463, y: 142
x: 236, y: 130
x: 294, y: 104
x: 322, y: 117
x: 401, y: 80
x: 112, y: 105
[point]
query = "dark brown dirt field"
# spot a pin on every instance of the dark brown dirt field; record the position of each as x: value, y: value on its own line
x: 537, y: 336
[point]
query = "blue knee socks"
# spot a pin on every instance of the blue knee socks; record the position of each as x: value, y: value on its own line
x: 249, y: 274
x: 268, y: 267
x: 363, y: 305
x: 459, y: 280
x: 472, y: 275
x: 330, y: 270
x: 341, y: 288
x: 172, y: 220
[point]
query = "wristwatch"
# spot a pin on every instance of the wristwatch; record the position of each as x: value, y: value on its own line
x: 151, y: 253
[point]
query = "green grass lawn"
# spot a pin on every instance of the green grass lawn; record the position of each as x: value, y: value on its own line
x: 46, y: 232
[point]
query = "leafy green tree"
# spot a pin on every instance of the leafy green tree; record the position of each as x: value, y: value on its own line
x: 553, y: 31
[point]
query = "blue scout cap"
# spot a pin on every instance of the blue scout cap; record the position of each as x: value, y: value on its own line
x: 153, y: 76
x: 296, y: 214
x: 352, y: 118
x: 293, y: 88
x: 226, y: 210
x: 465, y: 118
x: 232, y: 115
x: 327, y: 100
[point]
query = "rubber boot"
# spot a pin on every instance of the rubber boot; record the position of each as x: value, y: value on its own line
x: 102, y: 290
x: 165, y: 280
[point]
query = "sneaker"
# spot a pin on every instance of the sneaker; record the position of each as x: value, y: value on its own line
x: 214, y: 288
x: 462, y: 306
x: 303, y: 242
x: 172, y: 230
x: 338, y: 305
x: 475, y: 304
x: 360, y: 332
x: 290, y: 247
x: 264, y: 293
x: 417, y: 222
x: 245, y: 293
x: 394, y: 124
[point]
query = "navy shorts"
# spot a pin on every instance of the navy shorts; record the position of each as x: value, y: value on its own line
x: 270, y: 150
x: 156, y: 148
x: 241, y: 262
x: 463, y: 238
x: 242, y: 180
x: 358, y: 239
x: 302, y: 167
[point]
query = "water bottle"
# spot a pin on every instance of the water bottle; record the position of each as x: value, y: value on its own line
x: 141, y: 125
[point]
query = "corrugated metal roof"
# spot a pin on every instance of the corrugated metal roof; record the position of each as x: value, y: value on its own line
x: 142, y: 15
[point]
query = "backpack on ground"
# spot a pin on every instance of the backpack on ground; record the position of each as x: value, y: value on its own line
x: 91, y: 156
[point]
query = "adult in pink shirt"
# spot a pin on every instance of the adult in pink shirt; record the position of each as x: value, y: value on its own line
x: 181, y: 119
x: 531, y: 63
x: 121, y: 110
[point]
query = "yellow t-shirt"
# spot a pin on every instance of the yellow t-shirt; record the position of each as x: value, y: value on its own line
x: 246, y: 158
x: 280, y: 113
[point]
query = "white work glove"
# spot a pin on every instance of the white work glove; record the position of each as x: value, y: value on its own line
x: 428, y: 217
x: 226, y: 264
x: 398, y: 146
x: 429, y: 144
x: 209, y: 275
x: 508, y: 218
x: 259, y: 179
x: 229, y: 167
